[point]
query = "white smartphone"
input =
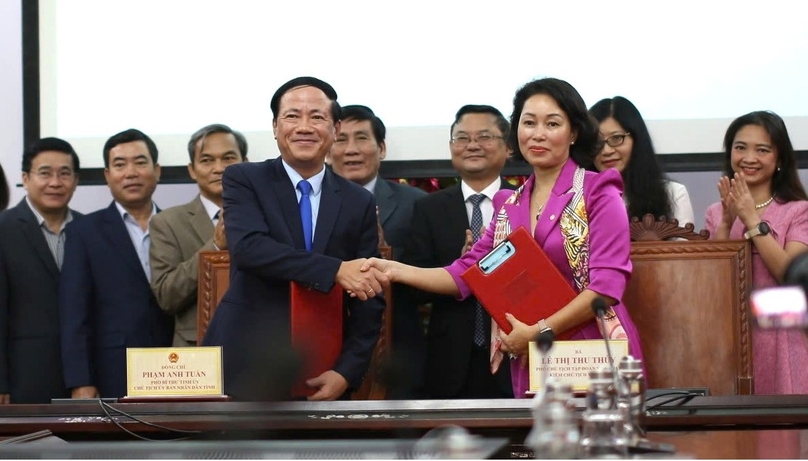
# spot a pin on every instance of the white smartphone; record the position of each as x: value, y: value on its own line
x: 780, y: 307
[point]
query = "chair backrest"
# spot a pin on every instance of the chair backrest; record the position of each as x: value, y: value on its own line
x: 214, y: 278
x: 374, y: 385
x: 649, y: 228
x: 689, y: 301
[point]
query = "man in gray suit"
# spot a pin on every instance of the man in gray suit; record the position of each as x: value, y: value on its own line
x: 178, y: 234
x: 32, y: 240
x: 356, y: 155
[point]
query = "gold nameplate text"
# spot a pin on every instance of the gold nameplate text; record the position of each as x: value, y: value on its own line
x: 571, y: 361
x: 173, y: 371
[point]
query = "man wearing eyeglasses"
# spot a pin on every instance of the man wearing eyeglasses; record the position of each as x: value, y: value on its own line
x: 31, y: 253
x: 445, y: 224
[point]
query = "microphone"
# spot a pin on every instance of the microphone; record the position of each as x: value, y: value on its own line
x: 599, y: 307
x: 797, y: 272
x: 544, y: 341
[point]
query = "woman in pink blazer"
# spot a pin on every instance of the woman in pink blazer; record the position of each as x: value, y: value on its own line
x: 576, y: 216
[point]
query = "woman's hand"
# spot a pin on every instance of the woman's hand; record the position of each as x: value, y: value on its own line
x: 727, y: 208
x: 385, y: 266
x: 742, y: 201
x: 516, y: 342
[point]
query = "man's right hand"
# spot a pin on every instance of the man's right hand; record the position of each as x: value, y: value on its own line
x: 470, y: 241
x: 219, y: 237
x: 5, y: 399
x: 84, y: 392
x: 362, y: 285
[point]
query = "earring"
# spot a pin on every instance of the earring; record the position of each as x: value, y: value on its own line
x: 778, y: 168
x: 572, y: 143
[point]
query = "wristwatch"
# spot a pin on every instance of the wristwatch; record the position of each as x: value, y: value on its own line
x: 762, y: 228
x: 543, y: 326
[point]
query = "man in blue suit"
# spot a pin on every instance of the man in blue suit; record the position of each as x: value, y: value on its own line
x: 105, y: 301
x: 290, y: 219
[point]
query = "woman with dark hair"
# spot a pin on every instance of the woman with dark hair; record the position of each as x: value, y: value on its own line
x: 762, y: 200
x: 628, y: 148
x: 5, y: 192
x: 576, y: 216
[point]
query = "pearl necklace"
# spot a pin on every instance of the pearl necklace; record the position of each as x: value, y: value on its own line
x: 761, y: 205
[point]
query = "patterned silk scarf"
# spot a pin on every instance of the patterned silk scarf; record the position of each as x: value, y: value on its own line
x: 574, y: 226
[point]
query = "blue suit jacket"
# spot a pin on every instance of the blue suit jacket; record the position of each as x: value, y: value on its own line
x: 105, y: 304
x: 265, y: 239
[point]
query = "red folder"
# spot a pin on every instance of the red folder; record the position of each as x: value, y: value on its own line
x: 518, y: 277
x: 316, y: 332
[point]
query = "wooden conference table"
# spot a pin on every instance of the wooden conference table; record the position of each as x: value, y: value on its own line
x: 704, y: 427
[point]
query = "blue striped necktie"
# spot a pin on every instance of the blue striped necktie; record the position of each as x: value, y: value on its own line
x: 305, y: 211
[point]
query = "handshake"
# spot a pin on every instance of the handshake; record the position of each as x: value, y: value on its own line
x: 365, y: 278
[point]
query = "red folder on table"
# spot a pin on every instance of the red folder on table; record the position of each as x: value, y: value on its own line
x: 316, y: 319
x: 517, y: 277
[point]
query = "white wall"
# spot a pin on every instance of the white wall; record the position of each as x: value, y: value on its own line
x: 11, y: 135
x: 87, y: 198
x: 690, y: 66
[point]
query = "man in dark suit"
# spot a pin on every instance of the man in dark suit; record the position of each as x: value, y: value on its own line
x: 32, y: 239
x: 5, y: 192
x: 178, y: 234
x: 356, y: 155
x: 291, y: 219
x: 105, y: 302
x: 458, y: 338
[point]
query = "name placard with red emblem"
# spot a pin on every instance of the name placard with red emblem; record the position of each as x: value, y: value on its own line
x: 174, y: 371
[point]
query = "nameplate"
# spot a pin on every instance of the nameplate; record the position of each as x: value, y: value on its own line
x: 570, y: 362
x: 174, y: 371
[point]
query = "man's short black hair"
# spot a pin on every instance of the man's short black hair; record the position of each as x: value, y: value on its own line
x: 329, y: 91
x: 48, y: 144
x: 364, y: 113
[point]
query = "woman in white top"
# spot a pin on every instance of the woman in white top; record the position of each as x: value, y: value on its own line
x: 628, y: 148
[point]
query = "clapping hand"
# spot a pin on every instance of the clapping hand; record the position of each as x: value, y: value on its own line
x: 742, y: 200
x: 219, y: 237
x: 470, y: 240
x: 727, y: 203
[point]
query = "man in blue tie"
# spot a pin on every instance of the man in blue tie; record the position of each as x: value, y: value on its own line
x: 290, y: 219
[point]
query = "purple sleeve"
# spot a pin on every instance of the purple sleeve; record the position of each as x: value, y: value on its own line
x: 609, y: 236
x: 480, y: 249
